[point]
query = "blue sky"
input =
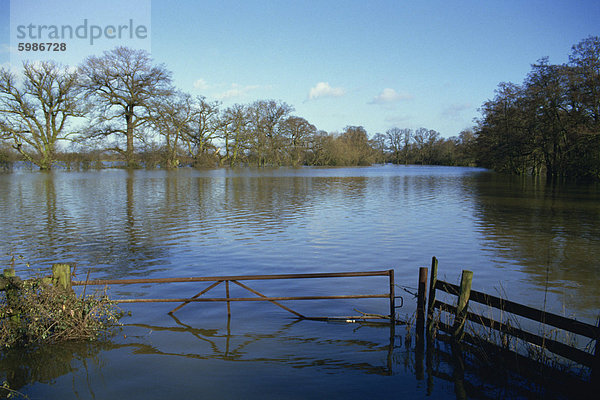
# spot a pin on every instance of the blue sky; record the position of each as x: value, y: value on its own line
x: 378, y: 64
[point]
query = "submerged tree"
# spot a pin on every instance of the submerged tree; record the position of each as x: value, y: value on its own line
x: 171, y: 118
x: 121, y: 84
x: 234, y: 130
x: 204, y: 128
x: 265, y: 117
x: 549, y: 123
x: 35, y: 113
x: 295, y: 132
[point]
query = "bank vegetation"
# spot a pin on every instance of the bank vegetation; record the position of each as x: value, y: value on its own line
x: 121, y: 109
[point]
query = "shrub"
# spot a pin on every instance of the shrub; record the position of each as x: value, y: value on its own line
x: 35, y: 312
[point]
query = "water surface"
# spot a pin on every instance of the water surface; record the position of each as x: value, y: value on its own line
x: 533, y: 242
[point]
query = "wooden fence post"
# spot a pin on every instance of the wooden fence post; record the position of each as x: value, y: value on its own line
x: 432, y: 283
x: 421, y: 299
x: 8, y: 273
x: 463, y: 303
x: 10, y: 277
x: 61, y: 275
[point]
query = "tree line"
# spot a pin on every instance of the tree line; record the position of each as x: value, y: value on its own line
x: 121, y: 106
x: 549, y: 124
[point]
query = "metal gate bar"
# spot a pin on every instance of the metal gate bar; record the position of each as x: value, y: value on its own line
x: 273, y: 299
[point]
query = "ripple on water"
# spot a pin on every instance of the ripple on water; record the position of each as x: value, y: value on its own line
x: 259, y: 220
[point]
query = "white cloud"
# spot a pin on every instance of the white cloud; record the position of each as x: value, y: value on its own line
x: 236, y: 91
x: 388, y: 96
x: 201, y: 84
x: 322, y: 89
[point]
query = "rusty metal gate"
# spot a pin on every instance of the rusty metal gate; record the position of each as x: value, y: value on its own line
x: 227, y: 280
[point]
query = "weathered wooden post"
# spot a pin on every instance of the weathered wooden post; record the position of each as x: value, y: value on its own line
x: 9, y: 281
x: 431, y: 302
x: 61, y: 275
x: 7, y: 274
x: 463, y: 303
x: 421, y: 300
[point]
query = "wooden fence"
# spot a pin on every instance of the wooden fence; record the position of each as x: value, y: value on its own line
x: 461, y: 314
x: 425, y: 307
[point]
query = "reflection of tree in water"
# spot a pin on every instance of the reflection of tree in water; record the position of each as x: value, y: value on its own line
x: 89, y: 218
x: 551, y: 229
x: 124, y: 223
x: 21, y: 367
x: 268, y: 204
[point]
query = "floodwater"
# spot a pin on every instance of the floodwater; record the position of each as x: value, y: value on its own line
x: 533, y: 242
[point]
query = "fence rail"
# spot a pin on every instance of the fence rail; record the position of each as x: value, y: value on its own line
x: 555, y: 320
x: 261, y: 297
x: 461, y: 314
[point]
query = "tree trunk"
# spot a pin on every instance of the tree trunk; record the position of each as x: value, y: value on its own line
x: 129, y: 151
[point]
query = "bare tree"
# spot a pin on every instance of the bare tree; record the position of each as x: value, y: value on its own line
x: 394, y: 139
x: 235, y: 132
x: 265, y: 116
x: 171, y: 118
x: 204, y: 127
x: 121, y: 84
x: 296, y: 131
x: 378, y: 143
x: 35, y: 114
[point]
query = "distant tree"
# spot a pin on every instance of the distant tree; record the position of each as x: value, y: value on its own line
x: 121, y: 84
x: 584, y: 61
x: 171, y: 118
x: 235, y: 132
x: 504, y: 142
x: 7, y: 156
x: 549, y: 123
x: 355, y: 146
x: 296, y: 131
x: 204, y: 128
x: 395, y: 141
x: 584, y: 98
x: 378, y: 143
x: 546, y: 103
x: 425, y: 141
x: 320, y: 149
x: 265, y: 117
x: 35, y: 113
x: 407, y: 138
x: 431, y: 146
x: 466, y: 148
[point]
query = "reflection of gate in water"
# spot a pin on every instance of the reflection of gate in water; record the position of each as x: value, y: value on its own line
x: 372, y: 356
x: 217, y: 280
